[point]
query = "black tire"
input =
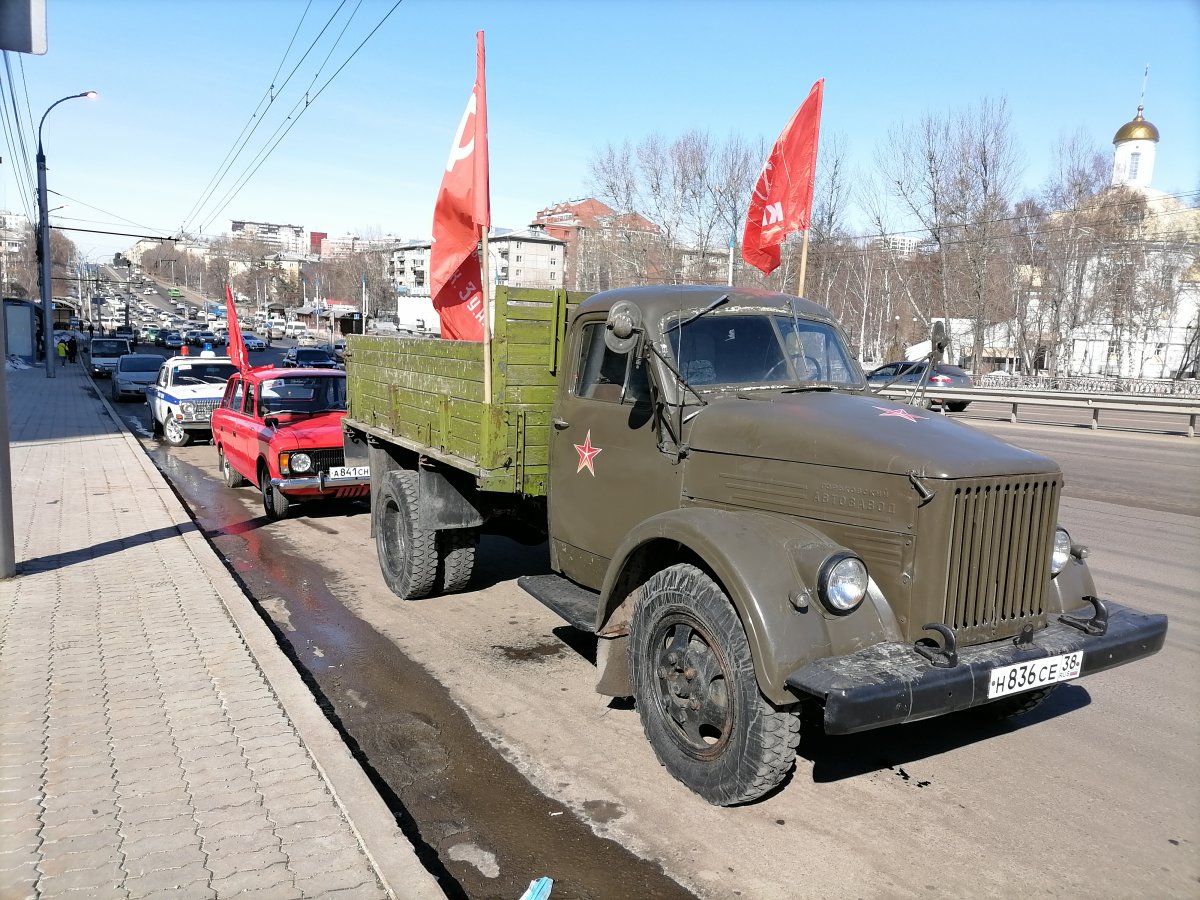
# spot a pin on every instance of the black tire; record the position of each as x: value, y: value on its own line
x: 713, y: 731
x: 233, y: 478
x: 1012, y: 705
x: 956, y: 407
x: 156, y: 426
x: 174, y: 433
x: 456, y: 558
x: 113, y: 394
x: 275, y: 503
x: 408, y: 554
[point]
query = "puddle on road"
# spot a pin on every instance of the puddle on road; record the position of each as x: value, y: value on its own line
x: 477, y: 824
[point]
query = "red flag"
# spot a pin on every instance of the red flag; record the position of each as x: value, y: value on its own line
x: 783, y: 198
x: 236, y: 346
x: 462, y: 209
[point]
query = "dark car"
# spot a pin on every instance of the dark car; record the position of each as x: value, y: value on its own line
x: 200, y: 338
x: 169, y: 339
x: 309, y: 358
x: 909, y: 373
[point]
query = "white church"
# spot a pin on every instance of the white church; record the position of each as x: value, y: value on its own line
x: 1161, y: 341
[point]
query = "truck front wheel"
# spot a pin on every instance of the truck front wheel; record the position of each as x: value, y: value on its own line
x: 408, y: 554
x: 693, y: 678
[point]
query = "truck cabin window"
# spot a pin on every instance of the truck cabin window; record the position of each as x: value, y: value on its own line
x: 604, y: 375
x: 757, y: 349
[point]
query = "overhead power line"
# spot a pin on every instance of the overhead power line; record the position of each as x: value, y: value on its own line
x: 291, y: 122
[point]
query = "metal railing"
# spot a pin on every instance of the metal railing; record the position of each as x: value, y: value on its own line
x: 1092, y: 384
x: 1155, y: 404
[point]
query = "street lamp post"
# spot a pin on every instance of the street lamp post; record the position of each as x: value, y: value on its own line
x: 44, y: 240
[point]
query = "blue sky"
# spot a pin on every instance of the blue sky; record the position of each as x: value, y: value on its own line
x: 178, y: 80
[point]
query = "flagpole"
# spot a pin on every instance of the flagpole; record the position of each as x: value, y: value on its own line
x: 803, y: 265
x: 487, y: 316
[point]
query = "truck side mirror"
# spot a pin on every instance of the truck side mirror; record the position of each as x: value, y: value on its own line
x: 937, y: 337
x: 623, y: 326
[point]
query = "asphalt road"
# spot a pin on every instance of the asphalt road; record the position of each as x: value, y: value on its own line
x: 1095, y: 794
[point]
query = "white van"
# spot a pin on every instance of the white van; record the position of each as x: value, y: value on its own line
x: 295, y: 329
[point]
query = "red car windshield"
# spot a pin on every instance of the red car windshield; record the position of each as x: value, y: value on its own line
x: 302, y: 394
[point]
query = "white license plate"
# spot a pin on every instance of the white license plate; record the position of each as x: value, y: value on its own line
x: 350, y: 472
x: 1036, y: 673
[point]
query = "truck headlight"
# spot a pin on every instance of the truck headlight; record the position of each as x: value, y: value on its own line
x: 300, y: 463
x: 842, y: 583
x: 1062, y: 550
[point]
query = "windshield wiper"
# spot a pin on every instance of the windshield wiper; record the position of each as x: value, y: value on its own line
x: 724, y: 298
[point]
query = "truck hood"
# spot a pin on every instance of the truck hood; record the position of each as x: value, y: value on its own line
x: 309, y: 432
x: 852, y: 431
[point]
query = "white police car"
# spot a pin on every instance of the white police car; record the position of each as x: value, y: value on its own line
x: 186, y: 392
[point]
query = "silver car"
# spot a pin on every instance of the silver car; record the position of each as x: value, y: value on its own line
x: 909, y: 373
x: 133, y: 374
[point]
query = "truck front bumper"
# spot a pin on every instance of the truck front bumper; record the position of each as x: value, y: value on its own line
x: 890, y: 683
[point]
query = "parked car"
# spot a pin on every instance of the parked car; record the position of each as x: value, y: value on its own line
x: 184, y: 394
x: 133, y: 374
x: 281, y: 430
x: 103, y: 354
x: 254, y: 342
x: 309, y: 358
x: 909, y: 373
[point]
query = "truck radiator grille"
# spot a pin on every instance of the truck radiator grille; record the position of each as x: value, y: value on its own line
x: 1000, y: 544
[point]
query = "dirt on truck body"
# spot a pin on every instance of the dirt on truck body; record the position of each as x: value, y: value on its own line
x: 743, y: 524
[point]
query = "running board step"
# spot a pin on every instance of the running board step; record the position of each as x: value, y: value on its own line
x: 574, y: 603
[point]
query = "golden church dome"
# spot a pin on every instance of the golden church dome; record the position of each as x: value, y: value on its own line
x: 1137, y: 130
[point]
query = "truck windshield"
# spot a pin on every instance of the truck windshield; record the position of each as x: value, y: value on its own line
x: 739, y: 349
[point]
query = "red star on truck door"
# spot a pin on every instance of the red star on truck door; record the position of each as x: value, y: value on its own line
x: 587, y: 453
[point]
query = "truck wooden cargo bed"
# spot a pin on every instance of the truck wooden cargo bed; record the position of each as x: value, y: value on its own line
x: 427, y: 395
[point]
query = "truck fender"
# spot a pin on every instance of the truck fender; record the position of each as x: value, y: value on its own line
x: 1069, y: 587
x: 767, y: 566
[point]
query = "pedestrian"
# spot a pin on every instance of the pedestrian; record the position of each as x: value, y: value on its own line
x: 91, y: 330
x: 62, y: 352
x: 72, y: 348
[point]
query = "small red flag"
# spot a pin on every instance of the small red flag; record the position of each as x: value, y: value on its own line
x: 236, y: 347
x: 783, y: 198
x: 462, y: 209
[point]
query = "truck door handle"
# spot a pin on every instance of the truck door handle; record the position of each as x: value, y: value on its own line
x: 560, y: 424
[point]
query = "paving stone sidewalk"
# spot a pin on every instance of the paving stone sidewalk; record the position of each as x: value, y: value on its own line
x: 153, y: 739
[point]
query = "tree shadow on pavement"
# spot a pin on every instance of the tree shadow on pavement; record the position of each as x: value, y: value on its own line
x: 53, y: 561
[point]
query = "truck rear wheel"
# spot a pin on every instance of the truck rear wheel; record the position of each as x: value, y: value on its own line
x: 408, y: 554
x: 456, y: 558
x: 693, y: 678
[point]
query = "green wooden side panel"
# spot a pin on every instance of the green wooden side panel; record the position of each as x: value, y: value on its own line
x: 430, y: 393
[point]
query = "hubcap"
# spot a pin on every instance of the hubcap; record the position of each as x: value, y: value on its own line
x: 693, y: 687
x: 173, y: 430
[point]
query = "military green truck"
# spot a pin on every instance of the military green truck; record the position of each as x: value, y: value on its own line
x: 743, y: 525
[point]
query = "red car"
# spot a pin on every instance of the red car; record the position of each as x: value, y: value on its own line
x: 282, y: 430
